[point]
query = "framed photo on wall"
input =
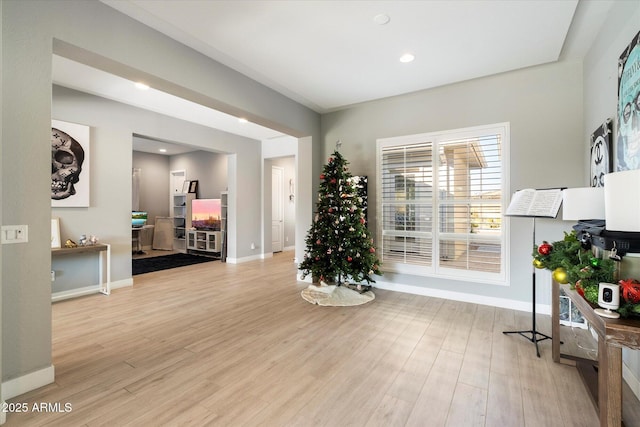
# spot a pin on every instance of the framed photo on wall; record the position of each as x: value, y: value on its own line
x: 193, y: 186
x: 70, y: 165
x: 601, y: 159
x: 55, y: 233
x: 628, y: 135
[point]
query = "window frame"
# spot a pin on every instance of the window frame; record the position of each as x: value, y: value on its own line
x: 436, y: 139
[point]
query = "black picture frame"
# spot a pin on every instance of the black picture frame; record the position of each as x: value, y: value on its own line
x: 193, y: 186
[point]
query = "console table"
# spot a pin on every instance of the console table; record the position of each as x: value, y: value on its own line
x: 104, y: 287
x: 613, y: 334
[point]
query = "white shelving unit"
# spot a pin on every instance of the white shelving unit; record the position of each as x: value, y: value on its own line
x: 181, y: 214
x: 204, y: 241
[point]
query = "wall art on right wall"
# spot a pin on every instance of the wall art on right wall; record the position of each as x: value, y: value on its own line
x: 601, y: 154
x: 628, y: 135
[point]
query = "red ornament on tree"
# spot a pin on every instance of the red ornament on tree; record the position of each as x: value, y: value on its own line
x: 630, y: 290
x: 545, y: 248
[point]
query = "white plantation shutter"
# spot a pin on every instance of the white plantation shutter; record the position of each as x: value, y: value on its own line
x: 441, y: 199
x: 407, y: 204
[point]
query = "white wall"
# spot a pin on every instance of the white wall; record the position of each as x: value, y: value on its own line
x: 154, y: 183
x: 600, y: 103
x: 282, y: 152
x: 289, y: 210
x: 210, y: 169
x: 544, y: 108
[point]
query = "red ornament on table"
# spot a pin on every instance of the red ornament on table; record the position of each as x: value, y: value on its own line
x: 545, y: 248
x: 579, y: 289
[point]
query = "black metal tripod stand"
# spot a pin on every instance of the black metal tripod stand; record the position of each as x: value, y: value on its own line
x: 534, y: 338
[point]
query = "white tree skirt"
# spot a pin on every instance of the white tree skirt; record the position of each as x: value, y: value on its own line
x: 338, y: 296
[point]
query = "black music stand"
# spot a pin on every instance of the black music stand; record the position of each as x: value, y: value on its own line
x: 534, y: 204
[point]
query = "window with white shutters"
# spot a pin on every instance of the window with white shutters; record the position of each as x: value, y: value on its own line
x: 441, y: 198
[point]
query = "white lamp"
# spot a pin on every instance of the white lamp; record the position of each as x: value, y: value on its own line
x: 583, y: 203
x: 622, y: 200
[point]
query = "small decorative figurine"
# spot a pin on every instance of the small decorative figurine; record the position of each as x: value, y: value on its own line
x: 70, y: 244
x: 83, y: 240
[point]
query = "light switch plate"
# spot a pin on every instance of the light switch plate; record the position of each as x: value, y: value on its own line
x: 14, y: 234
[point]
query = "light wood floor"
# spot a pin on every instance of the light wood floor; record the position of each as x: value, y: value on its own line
x: 225, y: 344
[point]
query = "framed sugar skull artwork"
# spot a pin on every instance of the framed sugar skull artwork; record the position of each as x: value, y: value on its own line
x: 69, y: 164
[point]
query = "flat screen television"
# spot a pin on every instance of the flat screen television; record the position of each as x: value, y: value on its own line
x: 138, y: 219
x: 206, y: 214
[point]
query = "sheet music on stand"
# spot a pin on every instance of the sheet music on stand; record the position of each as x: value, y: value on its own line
x: 535, y: 203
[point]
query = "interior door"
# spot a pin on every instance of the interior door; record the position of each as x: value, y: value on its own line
x: 277, y: 208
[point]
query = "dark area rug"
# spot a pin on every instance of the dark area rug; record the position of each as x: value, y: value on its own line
x: 147, y: 265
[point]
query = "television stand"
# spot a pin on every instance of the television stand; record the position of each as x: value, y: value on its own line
x: 204, y: 241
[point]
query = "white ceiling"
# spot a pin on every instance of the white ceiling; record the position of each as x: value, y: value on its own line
x: 331, y: 54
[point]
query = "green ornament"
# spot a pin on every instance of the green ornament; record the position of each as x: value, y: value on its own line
x: 595, y: 262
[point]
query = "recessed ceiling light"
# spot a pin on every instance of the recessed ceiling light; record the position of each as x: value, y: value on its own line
x: 142, y: 86
x: 243, y: 120
x: 162, y: 150
x: 407, y: 57
x: 381, y: 19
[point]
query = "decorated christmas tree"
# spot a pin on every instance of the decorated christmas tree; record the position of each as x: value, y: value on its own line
x: 339, y: 247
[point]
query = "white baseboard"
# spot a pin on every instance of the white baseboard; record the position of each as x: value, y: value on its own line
x: 632, y: 381
x: 124, y: 283
x: 88, y: 290
x: 245, y: 259
x: 26, y: 383
x: 458, y: 296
